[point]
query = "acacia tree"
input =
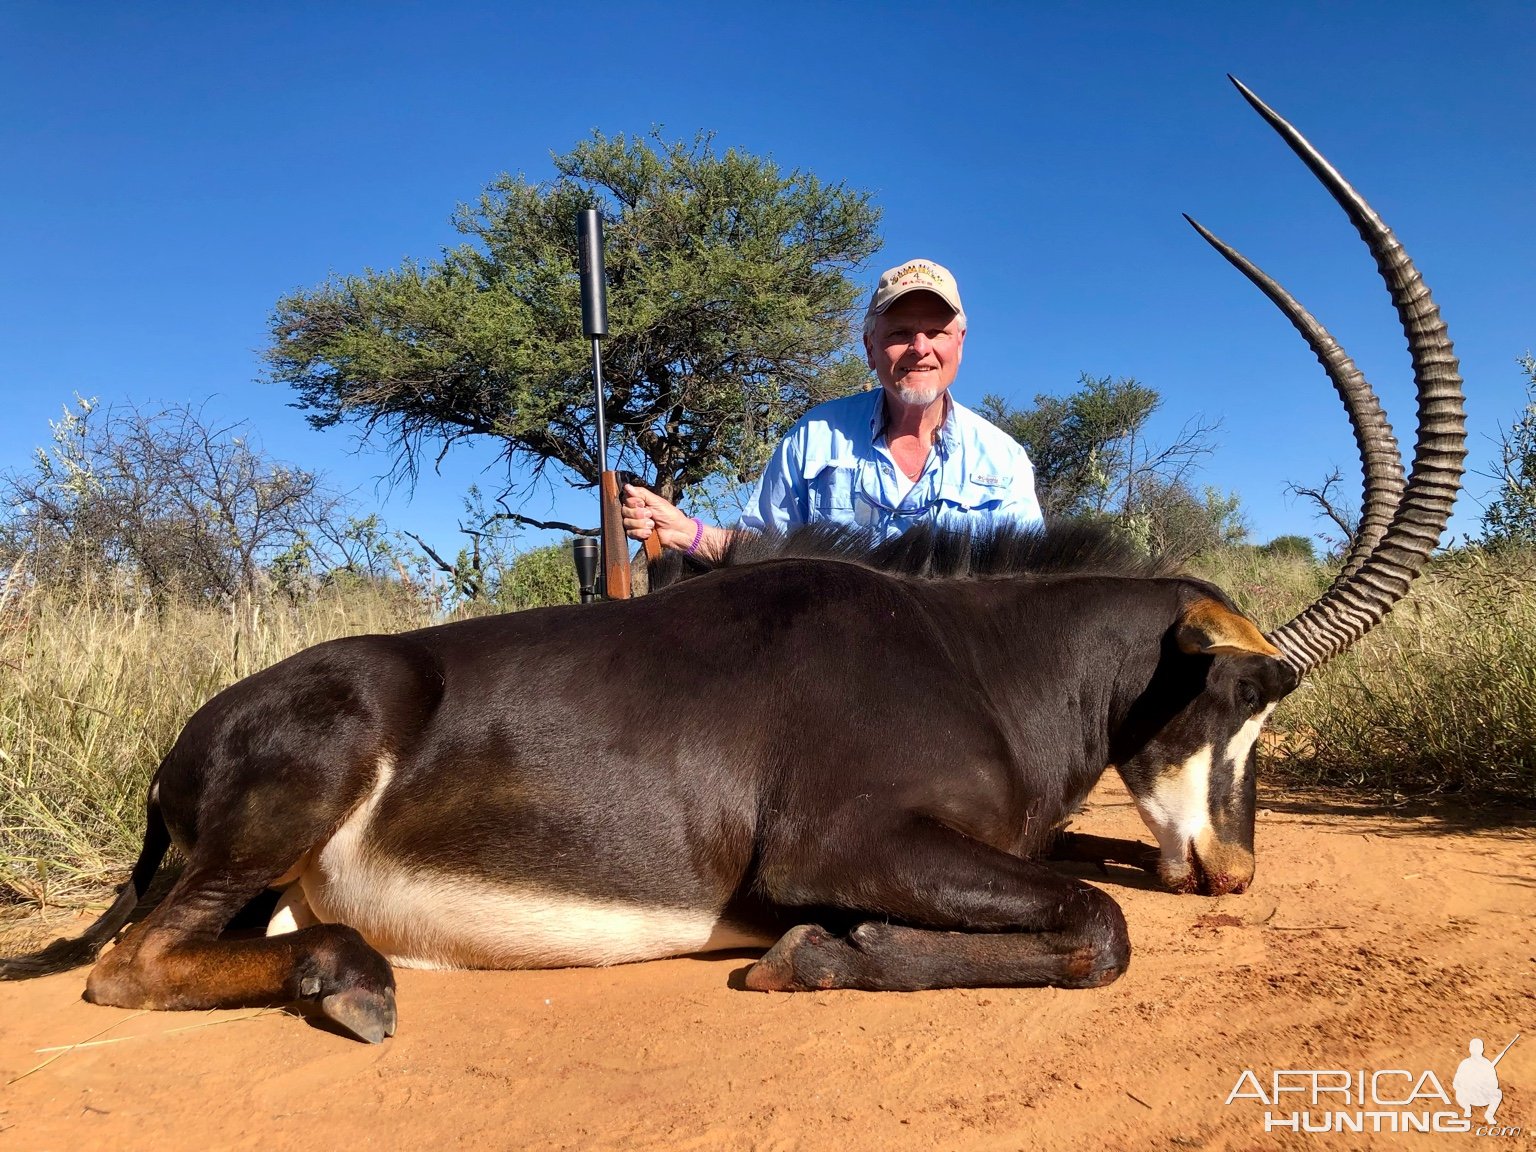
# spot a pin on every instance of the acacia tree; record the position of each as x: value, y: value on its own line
x: 730, y: 309
x: 1093, y: 458
x: 1080, y: 444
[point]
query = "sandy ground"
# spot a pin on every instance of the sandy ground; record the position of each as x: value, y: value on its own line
x: 1372, y: 940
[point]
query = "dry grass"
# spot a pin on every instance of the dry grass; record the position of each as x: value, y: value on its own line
x: 93, y: 691
x: 1269, y: 589
x: 1439, y: 698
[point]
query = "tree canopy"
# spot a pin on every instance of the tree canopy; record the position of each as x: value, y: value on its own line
x: 1080, y: 444
x: 1093, y: 458
x: 730, y: 308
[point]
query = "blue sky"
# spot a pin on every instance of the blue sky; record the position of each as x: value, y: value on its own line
x: 171, y: 170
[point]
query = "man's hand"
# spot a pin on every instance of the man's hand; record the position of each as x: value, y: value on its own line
x: 645, y: 512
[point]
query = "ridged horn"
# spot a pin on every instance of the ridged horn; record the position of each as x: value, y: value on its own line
x: 1378, y: 572
x: 1381, y: 464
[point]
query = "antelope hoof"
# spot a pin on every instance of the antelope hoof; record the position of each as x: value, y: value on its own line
x: 368, y: 1015
x: 799, y: 962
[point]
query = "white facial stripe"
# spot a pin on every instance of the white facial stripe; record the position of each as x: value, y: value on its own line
x: 431, y: 920
x: 1179, y: 808
x: 1236, y: 753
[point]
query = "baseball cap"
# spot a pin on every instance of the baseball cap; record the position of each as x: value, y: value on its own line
x: 915, y: 276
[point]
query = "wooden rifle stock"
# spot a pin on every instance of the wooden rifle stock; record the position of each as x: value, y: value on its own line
x: 615, y: 546
x: 616, y: 580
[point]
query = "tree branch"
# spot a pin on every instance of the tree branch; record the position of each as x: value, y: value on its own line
x: 529, y: 521
x: 1346, y: 520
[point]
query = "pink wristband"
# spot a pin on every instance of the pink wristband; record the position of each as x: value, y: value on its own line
x: 698, y: 536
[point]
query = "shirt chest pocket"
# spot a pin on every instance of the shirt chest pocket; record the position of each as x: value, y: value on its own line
x: 980, y: 492
x: 830, y: 486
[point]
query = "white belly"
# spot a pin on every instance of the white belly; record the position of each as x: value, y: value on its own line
x: 421, y: 919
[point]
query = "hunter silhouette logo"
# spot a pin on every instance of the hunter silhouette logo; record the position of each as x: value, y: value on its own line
x: 1385, y: 1100
x: 1477, y: 1084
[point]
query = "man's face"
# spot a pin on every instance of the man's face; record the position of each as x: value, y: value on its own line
x: 915, y: 348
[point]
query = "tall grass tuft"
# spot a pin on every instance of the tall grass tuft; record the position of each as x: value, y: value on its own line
x: 1440, y: 698
x: 94, y: 689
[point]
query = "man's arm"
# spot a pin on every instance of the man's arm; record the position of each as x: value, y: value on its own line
x: 778, y: 504
x: 645, y: 513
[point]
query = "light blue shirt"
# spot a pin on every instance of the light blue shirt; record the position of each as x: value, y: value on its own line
x: 835, y: 466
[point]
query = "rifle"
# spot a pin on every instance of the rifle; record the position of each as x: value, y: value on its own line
x: 1506, y: 1048
x: 594, y: 325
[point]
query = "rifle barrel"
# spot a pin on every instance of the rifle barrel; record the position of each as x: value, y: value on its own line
x: 594, y: 292
x: 594, y: 325
x: 594, y: 311
x: 1506, y: 1048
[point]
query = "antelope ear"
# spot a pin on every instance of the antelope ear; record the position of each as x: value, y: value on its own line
x: 1210, y: 628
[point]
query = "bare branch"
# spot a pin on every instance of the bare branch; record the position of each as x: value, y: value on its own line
x: 432, y: 555
x: 530, y: 522
x: 1346, y: 518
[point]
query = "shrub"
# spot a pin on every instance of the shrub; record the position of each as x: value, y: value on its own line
x: 539, y: 578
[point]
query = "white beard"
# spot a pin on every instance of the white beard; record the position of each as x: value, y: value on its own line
x: 917, y: 397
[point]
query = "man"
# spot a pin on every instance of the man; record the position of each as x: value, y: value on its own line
x: 886, y: 459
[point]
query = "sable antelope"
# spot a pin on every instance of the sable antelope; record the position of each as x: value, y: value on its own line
x: 872, y: 750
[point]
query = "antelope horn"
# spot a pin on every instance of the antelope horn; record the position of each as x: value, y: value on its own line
x: 1381, y: 563
x: 1380, y: 462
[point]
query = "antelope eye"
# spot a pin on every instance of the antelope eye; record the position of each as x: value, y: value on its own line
x: 1249, y: 695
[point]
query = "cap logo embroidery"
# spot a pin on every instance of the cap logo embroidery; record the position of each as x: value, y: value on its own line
x: 917, y: 274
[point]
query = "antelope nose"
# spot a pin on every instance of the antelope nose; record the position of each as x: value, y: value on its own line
x: 1223, y: 870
